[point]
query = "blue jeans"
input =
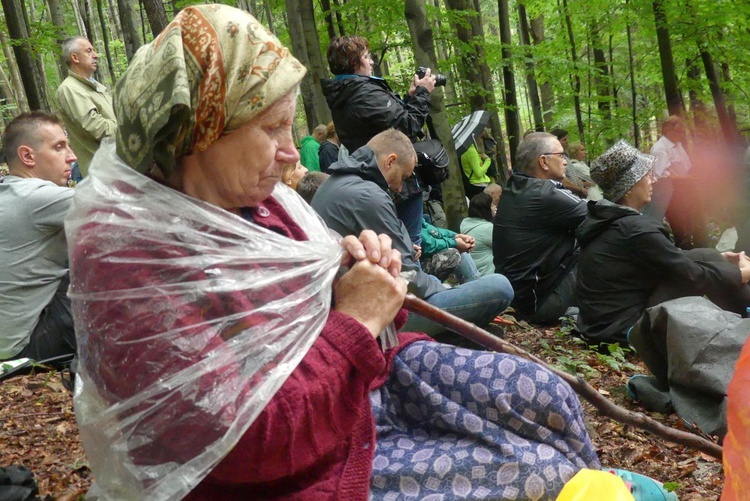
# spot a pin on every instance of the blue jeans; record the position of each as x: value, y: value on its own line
x: 410, y: 213
x: 478, y: 301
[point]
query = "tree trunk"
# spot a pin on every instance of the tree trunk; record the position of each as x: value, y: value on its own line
x: 424, y: 54
x: 330, y: 27
x: 116, y: 26
x: 339, y: 20
x: 512, y: 123
x: 105, y: 40
x: 129, y: 27
x: 671, y: 91
x: 296, y: 33
x: 58, y: 19
x: 269, y: 17
x: 317, y: 70
x: 536, y: 105
x: 157, y: 15
x: 84, y: 19
x: 576, y: 77
x: 19, y: 93
x: 601, y: 73
x: 633, y: 93
x: 26, y: 59
x: 728, y: 128
x: 697, y: 106
x: 545, y: 89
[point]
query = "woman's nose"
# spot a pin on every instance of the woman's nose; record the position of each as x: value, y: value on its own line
x: 287, y: 153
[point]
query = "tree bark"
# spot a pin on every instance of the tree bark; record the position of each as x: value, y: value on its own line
x: 728, y: 128
x: 601, y: 73
x: 633, y: 92
x: 317, y: 70
x: 576, y: 77
x: 424, y: 54
x: 531, y: 86
x: 157, y: 15
x: 512, y: 122
x: 19, y: 93
x: 296, y: 33
x: 545, y: 89
x: 58, y: 19
x: 269, y: 17
x: 105, y: 40
x: 18, y: 30
x: 675, y: 104
x: 129, y: 28
x: 328, y: 15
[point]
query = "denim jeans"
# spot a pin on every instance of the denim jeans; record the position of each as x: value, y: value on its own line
x: 410, y: 213
x: 477, y: 301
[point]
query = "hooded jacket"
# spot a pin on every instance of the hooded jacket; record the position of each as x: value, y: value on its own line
x: 362, y: 107
x: 308, y: 153
x: 356, y: 198
x: 533, y: 238
x: 625, y: 256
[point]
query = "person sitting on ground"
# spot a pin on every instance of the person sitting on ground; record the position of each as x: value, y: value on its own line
x: 357, y: 197
x: 309, y: 148
x: 495, y: 191
x: 475, y: 166
x: 309, y: 184
x: 479, y: 226
x: 35, y: 317
x: 628, y: 262
x: 533, y: 239
x: 562, y: 136
x: 445, y: 253
x: 329, y: 148
x: 578, y: 172
x: 291, y: 174
x: 217, y: 365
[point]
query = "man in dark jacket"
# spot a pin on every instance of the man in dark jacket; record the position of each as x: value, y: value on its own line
x: 356, y: 197
x: 362, y: 105
x: 533, y: 238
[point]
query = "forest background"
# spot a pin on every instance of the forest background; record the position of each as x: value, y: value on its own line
x: 602, y: 69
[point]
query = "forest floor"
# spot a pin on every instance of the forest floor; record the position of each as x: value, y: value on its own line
x: 38, y: 427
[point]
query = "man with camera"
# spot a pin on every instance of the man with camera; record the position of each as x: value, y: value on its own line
x: 363, y: 105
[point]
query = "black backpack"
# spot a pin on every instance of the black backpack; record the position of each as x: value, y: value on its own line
x: 432, y: 161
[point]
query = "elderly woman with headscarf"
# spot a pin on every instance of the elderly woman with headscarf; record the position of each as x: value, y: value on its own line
x: 222, y: 357
x: 628, y: 261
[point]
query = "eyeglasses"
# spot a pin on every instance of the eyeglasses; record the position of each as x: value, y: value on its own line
x: 561, y: 155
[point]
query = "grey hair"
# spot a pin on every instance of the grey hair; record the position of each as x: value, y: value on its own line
x: 69, y: 46
x: 532, y: 146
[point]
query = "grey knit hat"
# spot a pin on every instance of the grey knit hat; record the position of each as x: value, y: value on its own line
x: 619, y: 168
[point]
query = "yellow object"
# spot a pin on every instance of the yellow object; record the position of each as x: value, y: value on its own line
x: 595, y: 485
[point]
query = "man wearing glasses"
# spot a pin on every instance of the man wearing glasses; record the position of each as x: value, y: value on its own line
x: 533, y: 238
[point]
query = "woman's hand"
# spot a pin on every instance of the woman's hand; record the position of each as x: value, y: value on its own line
x: 370, y: 294
x: 464, y: 243
x: 374, y: 248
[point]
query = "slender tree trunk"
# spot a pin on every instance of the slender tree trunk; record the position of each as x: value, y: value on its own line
x: 9, y: 99
x: 19, y: 34
x: 328, y: 15
x: 317, y: 68
x: 424, y: 54
x: 58, y: 19
x: 531, y: 87
x: 116, y: 25
x: 19, y: 93
x: 85, y: 20
x: 157, y: 15
x: 129, y: 28
x: 728, y: 78
x: 671, y: 91
x: 545, y: 89
x: 576, y: 76
x: 269, y: 16
x: 728, y: 128
x: 633, y: 92
x: 105, y: 40
x: 296, y: 33
x: 512, y: 123
x: 697, y: 106
x: 601, y: 73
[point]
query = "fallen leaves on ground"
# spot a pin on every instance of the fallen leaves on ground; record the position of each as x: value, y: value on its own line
x: 38, y: 429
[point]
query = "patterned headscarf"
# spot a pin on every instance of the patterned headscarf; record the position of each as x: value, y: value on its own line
x: 619, y: 168
x: 211, y: 70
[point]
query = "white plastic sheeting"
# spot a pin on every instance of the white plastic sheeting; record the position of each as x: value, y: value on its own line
x: 189, y: 319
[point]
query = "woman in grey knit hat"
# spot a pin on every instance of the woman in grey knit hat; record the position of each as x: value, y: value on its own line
x: 628, y: 261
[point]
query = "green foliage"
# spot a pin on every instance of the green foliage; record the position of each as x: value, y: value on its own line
x: 671, y: 486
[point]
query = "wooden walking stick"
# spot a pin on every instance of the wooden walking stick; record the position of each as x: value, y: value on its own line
x: 584, y: 389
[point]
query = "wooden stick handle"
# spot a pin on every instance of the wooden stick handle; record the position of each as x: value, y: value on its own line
x: 603, y: 406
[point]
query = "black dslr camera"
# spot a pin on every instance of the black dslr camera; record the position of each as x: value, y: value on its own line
x: 440, y: 80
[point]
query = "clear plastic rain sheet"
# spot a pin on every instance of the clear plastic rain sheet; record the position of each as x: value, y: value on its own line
x: 189, y: 319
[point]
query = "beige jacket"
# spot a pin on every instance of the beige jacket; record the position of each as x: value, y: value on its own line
x: 88, y: 115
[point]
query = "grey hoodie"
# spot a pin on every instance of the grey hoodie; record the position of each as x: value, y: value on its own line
x: 356, y: 198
